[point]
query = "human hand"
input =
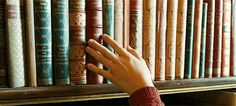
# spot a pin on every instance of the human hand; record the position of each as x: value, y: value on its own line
x: 128, y: 70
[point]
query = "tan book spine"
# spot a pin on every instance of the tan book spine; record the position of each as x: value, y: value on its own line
x: 119, y: 21
x: 126, y: 23
x: 233, y: 41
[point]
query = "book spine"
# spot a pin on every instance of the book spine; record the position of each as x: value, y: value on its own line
x: 119, y: 21
x: 161, y: 19
x: 197, y: 38
x: 60, y: 13
x: 14, y: 19
x: 226, y: 38
x: 233, y: 41
x: 203, y: 41
x: 180, y: 38
x: 136, y: 25
x: 218, y: 38
x: 30, y: 43
x: 126, y: 23
x: 94, y: 30
x: 210, y: 38
x: 43, y: 37
x: 77, y: 24
x: 149, y: 34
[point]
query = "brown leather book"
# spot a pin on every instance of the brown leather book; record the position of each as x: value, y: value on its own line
x: 126, y: 23
x: 119, y: 21
x: 233, y: 40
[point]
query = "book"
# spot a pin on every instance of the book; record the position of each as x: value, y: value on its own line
x: 226, y: 39
x: 136, y: 25
x: 77, y: 24
x: 60, y: 27
x: 119, y: 21
x: 30, y: 43
x: 217, y: 38
x: 161, y: 21
x: 15, y: 46
x: 43, y: 39
x: 126, y: 23
x: 203, y: 41
x: 93, y: 31
x: 233, y: 40
x: 149, y: 34
x: 180, y: 38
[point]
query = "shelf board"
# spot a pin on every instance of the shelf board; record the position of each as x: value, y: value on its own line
x: 55, y: 94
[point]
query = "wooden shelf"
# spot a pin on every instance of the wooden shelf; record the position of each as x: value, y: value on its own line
x: 55, y: 94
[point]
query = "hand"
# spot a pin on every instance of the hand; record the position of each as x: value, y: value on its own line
x: 129, y: 71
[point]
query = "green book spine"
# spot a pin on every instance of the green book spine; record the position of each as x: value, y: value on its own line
x: 189, y: 39
x: 60, y: 11
x: 43, y: 37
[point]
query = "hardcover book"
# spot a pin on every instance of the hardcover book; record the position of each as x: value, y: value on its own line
x: 233, y: 40
x: 119, y: 21
x: 126, y: 23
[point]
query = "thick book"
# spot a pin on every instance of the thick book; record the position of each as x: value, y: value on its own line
x: 149, y: 34
x: 209, y: 38
x: 203, y: 41
x: 30, y: 43
x: 197, y: 38
x: 126, y: 23
x: 226, y: 39
x: 217, y: 38
x: 93, y: 31
x: 161, y: 19
x: 119, y: 21
x: 136, y: 25
x: 43, y: 39
x: 15, y: 45
x: 77, y: 24
x: 180, y: 38
x: 60, y: 27
x: 233, y: 40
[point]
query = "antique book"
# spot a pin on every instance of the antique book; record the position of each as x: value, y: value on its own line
x: 136, y: 25
x: 197, y: 38
x: 94, y: 30
x: 149, y: 34
x: 30, y: 43
x: 233, y: 40
x: 189, y: 39
x: 77, y: 22
x: 119, y: 21
x: 209, y: 38
x: 161, y: 20
x: 226, y: 38
x: 172, y: 7
x: 203, y: 41
x: 15, y: 44
x: 43, y: 39
x: 126, y: 23
x: 60, y: 27
x: 217, y: 38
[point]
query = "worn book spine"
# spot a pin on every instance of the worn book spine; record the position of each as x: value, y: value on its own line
x: 197, y: 38
x: 15, y: 47
x: 217, y: 38
x: 119, y: 21
x: 149, y: 34
x: 210, y: 38
x: 226, y: 39
x: 30, y: 43
x: 126, y: 23
x: 233, y: 40
x: 180, y: 38
x: 136, y: 25
x: 77, y: 24
x: 161, y: 20
x: 43, y: 39
x: 94, y: 30
x: 60, y: 27
x: 203, y: 41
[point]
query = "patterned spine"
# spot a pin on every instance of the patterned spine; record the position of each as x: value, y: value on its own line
x: 218, y: 38
x: 160, y: 40
x: 136, y: 25
x: 233, y: 41
x: 119, y: 21
x: 16, y: 70
x: 94, y: 30
x: 171, y: 38
x: 30, y: 44
x: 203, y: 41
x: 77, y: 42
x: 60, y: 11
x: 43, y: 37
x: 149, y: 34
x: 209, y: 38
x: 197, y: 38
x: 126, y: 23
x: 226, y: 39
x: 180, y: 38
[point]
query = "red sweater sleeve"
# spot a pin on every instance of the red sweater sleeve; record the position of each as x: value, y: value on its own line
x: 147, y: 96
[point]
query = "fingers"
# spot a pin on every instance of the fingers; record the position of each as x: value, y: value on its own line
x: 99, y: 71
x: 133, y: 52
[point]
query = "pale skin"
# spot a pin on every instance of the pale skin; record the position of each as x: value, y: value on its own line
x: 128, y: 70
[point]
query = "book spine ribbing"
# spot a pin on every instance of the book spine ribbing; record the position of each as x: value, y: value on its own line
x: 119, y: 21
x: 233, y: 41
